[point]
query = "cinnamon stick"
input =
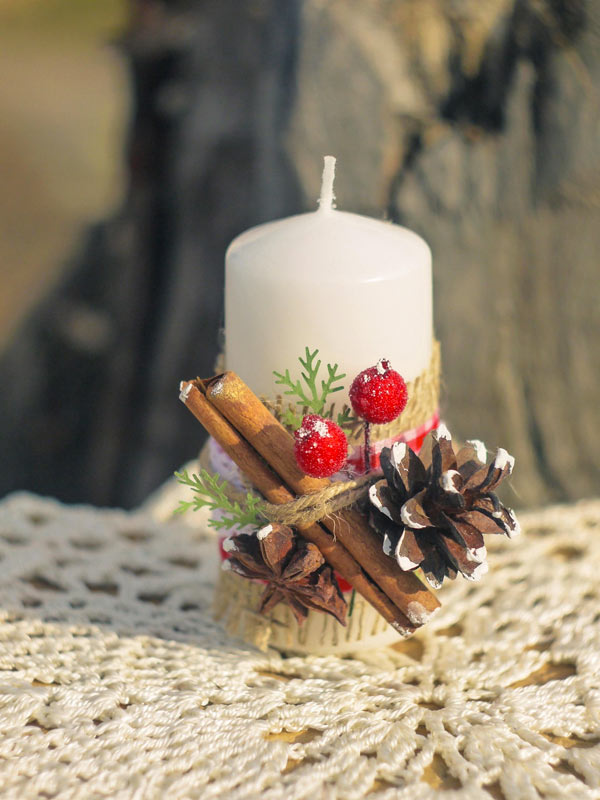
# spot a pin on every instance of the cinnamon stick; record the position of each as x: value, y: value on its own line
x: 271, y: 487
x: 236, y: 401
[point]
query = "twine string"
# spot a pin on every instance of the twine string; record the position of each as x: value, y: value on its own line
x: 307, y: 508
x: 313, y: 507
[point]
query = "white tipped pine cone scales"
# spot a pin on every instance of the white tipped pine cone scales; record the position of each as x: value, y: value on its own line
x: 434, y: 509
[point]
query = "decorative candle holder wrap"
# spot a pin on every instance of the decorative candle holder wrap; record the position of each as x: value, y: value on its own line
x: 237, y: 599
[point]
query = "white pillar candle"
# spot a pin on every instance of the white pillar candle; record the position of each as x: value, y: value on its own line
x: 356, y: 288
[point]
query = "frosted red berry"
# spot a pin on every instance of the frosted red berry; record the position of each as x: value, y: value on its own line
x: 378, y: 394
x: 320, y: 446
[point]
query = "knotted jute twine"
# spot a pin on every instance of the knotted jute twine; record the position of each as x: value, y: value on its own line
x: 308, y: 507
x: 313, y: 507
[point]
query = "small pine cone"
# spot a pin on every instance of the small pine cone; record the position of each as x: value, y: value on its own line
x: 293, y: 570
x: 433, y: 509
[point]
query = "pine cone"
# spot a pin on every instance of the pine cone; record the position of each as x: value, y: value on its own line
x: 294, y: 570
x: 433, y: 509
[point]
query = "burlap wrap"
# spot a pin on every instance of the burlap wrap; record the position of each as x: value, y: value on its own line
x: 236, y: 599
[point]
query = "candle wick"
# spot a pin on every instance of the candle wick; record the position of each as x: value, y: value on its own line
x: 327, y: 196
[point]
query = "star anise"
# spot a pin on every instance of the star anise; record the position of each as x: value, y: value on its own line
x: 432, y: 509
x: 293, y: 569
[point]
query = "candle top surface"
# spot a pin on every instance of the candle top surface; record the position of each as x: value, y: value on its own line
x: 332, y: 243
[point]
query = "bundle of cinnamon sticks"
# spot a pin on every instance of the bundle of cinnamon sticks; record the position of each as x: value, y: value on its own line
x: 264, y: 451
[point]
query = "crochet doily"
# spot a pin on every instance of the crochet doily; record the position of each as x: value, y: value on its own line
x: 117, y: 683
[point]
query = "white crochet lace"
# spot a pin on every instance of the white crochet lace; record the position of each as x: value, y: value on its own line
x: 115, y: 681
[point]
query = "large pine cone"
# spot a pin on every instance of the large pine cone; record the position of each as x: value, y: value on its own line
x: 433, y: 509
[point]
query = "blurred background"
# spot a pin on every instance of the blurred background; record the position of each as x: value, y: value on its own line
x: 138, y: 137
x: 64, y: 108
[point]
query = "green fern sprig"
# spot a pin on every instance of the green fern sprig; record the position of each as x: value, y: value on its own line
x: 346, y: 419
x: 210, y: 492
x: 310, y: 397
x: 291, y: 418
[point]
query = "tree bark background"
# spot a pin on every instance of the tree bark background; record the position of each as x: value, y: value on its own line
x: 474, y: 122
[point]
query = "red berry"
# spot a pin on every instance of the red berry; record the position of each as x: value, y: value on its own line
x: 378, y: 394
x: 321, y: 447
